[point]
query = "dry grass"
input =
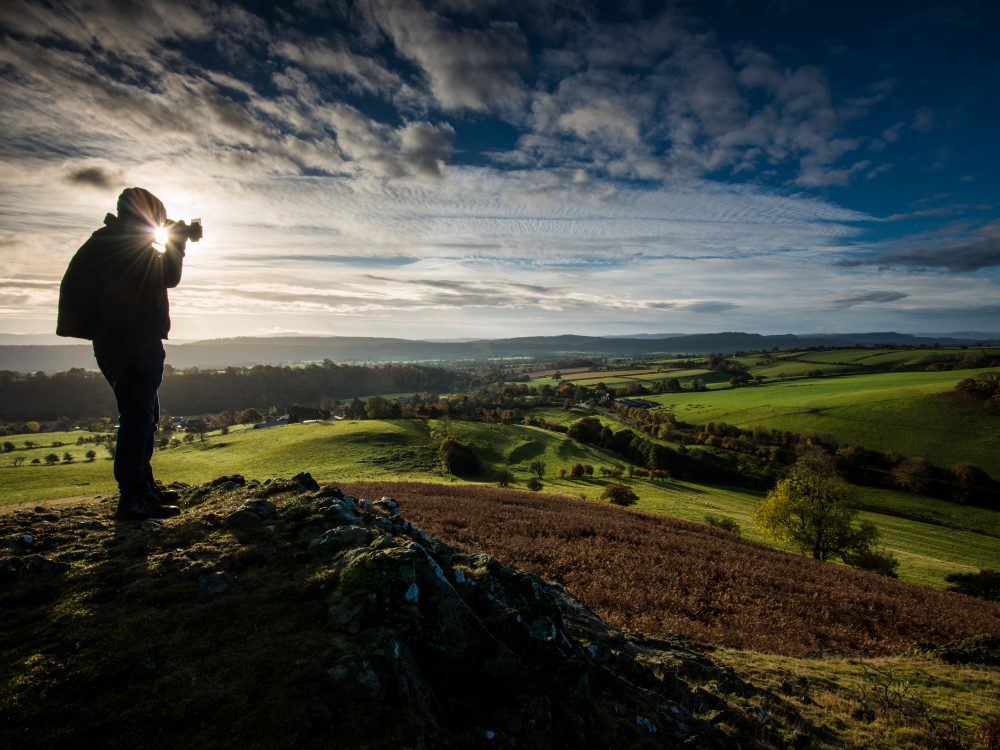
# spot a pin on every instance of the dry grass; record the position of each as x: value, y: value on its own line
x: 651, y: 573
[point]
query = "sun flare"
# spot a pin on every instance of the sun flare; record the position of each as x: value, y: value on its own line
x: 160, y: 235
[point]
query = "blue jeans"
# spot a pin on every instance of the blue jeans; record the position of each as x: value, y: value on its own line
x: 135, y: 376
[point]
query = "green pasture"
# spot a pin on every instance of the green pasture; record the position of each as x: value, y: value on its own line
x: 558, y: 416
x: 647, y: 378
x: 927, y: 553
x: 400, y: 450
x: 909, y: 412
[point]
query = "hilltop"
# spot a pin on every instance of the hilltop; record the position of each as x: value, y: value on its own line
x: 285, y: 613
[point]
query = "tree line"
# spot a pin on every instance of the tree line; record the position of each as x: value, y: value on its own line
x: 79, y: 394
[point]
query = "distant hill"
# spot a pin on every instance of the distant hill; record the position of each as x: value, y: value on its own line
x: 248, y: 351
x: 647, y: 336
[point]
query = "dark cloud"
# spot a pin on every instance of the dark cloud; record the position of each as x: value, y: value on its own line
x: 99, y: 177
x: 981, y: 250
x: 844, y: 301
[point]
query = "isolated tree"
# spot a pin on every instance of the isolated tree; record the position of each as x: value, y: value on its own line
x: 68, y: 457
x: 560, y: 472
x: 30, y: 444
x: 19, y: 460
x: 36, y: 461
x: 537, y: 467
x: 189, y: 438
x: 441, y: 428
x: 913, y: 474
x: 91, y: 454
x: 8, y: 446
x: 52, y: 458
x: 588, y: 470
x: 617, y: 469
x: 503, y: 477
x: 618, y: 494
x: 458, y: 458
x: 32, y: 426
x: 534, y: 484
x: 812, y: 510
x: 576, y: 471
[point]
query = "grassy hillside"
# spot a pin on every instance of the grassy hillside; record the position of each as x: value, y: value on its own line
x: 912, y: 413
x: 931, y: 538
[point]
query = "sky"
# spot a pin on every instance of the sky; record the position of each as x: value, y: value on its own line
x: 471, y: 168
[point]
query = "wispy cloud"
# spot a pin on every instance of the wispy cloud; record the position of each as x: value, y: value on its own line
x: 610, y: 168
x: 979, y: 249
x: 852, y: 299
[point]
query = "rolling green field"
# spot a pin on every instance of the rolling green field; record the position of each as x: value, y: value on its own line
x: 404, y: 450
x: 909, y: 412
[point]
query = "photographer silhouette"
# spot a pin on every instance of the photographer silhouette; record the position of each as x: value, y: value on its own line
x: 114, y: 293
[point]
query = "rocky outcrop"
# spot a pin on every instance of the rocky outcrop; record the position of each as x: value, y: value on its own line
x: 463, y: 651
x: 419, y: 619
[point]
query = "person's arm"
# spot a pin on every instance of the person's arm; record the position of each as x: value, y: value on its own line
x: 172, y: 262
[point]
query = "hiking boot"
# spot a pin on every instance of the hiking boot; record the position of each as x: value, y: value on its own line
x: 141, y: 507
x: 163, y: 496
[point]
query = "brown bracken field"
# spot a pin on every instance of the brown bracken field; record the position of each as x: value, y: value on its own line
x: 651, y: 573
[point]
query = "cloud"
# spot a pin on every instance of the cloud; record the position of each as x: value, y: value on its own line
x: 924, y: 120
x: 708, y: 307
x: 94, y: 175
x: 466, y: 68
x: 851, y: 299
x: 961, y: 255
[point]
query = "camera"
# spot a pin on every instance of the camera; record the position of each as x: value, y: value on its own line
x: 179, y: 230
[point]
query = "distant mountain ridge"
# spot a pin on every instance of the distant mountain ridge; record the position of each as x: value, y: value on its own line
x: 248, y: 351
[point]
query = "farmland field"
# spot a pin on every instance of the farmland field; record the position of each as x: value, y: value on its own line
x: 931, y: 538
x: 912, y: 413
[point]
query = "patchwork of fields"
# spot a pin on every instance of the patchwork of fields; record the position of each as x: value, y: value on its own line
x: 911, y: 413
x: 930, y: 537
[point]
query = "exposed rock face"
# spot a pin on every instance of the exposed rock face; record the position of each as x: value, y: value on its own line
x: 423, y: 618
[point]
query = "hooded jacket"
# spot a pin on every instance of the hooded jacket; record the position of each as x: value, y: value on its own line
x: 114, y: 291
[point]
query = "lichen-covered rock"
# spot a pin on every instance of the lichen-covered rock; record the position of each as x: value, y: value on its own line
x: 417, y: 619
x: 254, y: 513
